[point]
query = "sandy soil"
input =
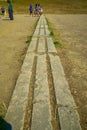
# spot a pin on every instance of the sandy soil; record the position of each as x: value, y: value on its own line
x: 71, y: 31
x: 13, y: 47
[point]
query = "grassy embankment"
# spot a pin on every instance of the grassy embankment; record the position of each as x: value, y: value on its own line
x: 55, y: 6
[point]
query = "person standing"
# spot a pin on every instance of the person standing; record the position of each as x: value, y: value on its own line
x: 31, y: 9
x: 41, y: 11
x: 10, y: 10
x: 3, y: 9
x: 36, y: 10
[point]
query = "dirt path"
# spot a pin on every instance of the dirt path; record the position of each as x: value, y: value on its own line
x: 71, y: 31
x: 13, y: 46
x: 42, y: 98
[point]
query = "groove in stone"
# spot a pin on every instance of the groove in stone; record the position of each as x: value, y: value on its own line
x: 41, y: 105
x: 53, y: 102
x: 29, y: 108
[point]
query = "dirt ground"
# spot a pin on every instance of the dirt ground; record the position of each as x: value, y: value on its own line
x: 13, y: 47
x: 71, y: 31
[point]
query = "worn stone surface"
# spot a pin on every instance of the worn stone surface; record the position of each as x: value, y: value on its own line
x: 36, y: 33
x: 41, y: 32
x: 41, y: 107
x: 50, y: 45
x: 42, y: 26
x: 56, y: 65
x: 16, y: 111
x: 63, y: 94
x: 69, y: 119
x: 47, y: 32
x: 42, y: 111
x: 38, y: 26
x: 28, y: 62
x: 32, y: 45
x: 41, y: 45
x: 46, y: 26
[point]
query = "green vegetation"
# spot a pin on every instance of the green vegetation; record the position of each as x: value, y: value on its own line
x: 54, y: 6
x: 54, y: 37
x: 2, y: 110
x: 58, y: 44
x: 28, y: 39
x: 51, y: 33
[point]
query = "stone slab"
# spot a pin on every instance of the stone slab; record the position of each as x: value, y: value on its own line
x: 41, y: 107
x: 38, y: 26
x: 36, y: 33
x: 45, y: 22
x: 46, y: 26
x: 50, y: 45
x: 27, y: 64
x: 32, y: 46
x: 17, y: 108
x: 47, y: 31
x: 62, y: 90
x: 41, y: 117
x: 41, y: 22
x: 42, y: 33
x: 69, y: 119
x: 42, y: 26
x: 41, y: 45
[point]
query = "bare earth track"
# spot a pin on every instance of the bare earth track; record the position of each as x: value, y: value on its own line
x: 69, y: 29
x: 13, y: 46
x: 43, y: 88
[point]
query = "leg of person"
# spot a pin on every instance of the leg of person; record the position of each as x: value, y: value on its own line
x: 11, y: 16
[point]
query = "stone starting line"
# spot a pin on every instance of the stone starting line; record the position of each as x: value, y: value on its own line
x: 42, y: 99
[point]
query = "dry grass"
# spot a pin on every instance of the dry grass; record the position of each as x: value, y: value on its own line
x: 55, y: 6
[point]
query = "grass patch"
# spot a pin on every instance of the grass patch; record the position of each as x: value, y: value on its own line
x: 58, y: 44
x: 54, y: 37
x: 3, y: 110
x: 54, y: 7
x: 28, y: 39
x: 51, y: 33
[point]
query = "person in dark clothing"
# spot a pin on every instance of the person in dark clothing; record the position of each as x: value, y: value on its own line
x: 3, y: 10
x: 10, y: 10
x: 4, y: 125
x: 31, y: 9
x: 36, y: 10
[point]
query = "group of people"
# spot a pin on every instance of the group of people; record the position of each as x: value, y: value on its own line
x: 10, y: 10
x: 36, y: 11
